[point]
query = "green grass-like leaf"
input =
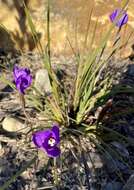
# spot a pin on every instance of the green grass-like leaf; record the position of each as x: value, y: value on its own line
x: 88, y: 72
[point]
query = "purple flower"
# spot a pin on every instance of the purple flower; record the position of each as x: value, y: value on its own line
x: 120, y: 22
x: 47, y: 140
x: 22, y: 78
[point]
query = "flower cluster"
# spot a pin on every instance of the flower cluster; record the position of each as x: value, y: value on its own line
x: 48, y: 140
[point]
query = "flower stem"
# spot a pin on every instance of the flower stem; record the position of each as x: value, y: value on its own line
x: 22, y: 100
x: 55, y: 173
x: 48, y: 31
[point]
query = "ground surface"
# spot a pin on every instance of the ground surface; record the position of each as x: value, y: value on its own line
x: 14, y: 152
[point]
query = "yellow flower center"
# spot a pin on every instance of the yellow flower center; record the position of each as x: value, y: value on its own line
x: 51, y: 141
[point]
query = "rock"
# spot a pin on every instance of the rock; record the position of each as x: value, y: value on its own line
x: 95, y: 160
x: 2, y: 114
x: 1, y: 150
x: 130, y: 183
x: 113, y: 165
x: 131, y: 70
x: 3, y: 164
x: 42, y: 82
x: 113, y: 186
x: 11, y: 124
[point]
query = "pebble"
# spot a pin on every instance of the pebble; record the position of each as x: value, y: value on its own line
x: 94, y: 160
x: 11, y: 124
x: 131, y: 70
x: 42, y: 82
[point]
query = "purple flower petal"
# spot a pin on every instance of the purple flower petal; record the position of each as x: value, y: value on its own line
x: 123, y: 20
x: 120, y: 22
x: 39, y: 137
x: 113, y: 15
x: 54, y: 152
x: 22, y: 78
x: 45, y: 143
x: 20, y: 84
x: 48, y: 140
x: 20, y: 71
x: 15, y: 71
x: 56, y: 133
